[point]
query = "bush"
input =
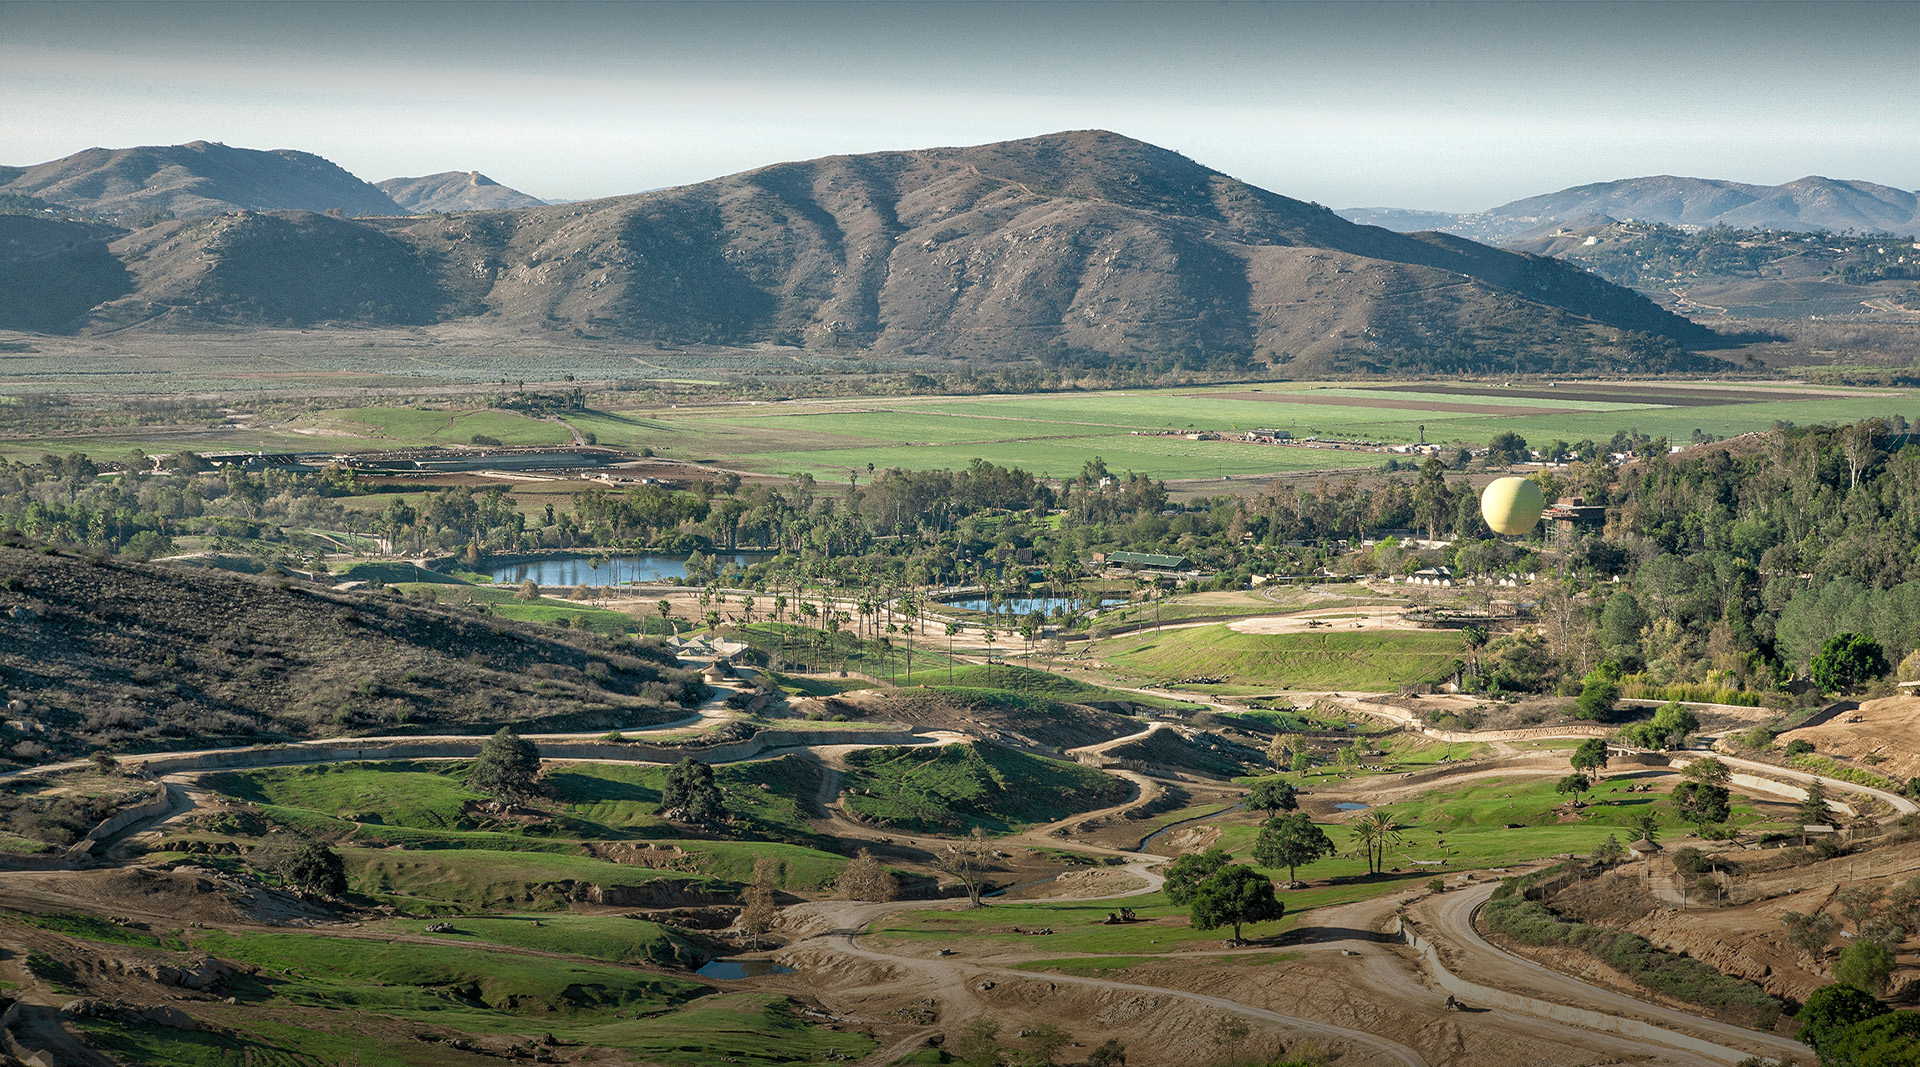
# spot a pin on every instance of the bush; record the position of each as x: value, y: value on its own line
x: 1799, y: 747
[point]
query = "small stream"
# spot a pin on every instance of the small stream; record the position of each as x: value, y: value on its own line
x: 1148, y: 840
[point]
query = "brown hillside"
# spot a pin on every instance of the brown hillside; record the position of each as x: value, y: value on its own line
x: 1077, y: 247
x: 454, y: 190
x: 129, y: 656
x: 201, y: 178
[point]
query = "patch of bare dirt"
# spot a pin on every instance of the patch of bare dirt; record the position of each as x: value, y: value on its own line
x: 1881, y: 734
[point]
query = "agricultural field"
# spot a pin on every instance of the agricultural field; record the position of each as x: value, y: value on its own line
x: 1054, y: 434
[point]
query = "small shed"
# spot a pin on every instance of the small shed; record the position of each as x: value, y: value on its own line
x: 1643, y: 848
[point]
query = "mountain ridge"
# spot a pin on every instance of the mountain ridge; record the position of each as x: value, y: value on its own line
x: 193, y: 179
x: 1812, y: 203
x: 1077, y: 246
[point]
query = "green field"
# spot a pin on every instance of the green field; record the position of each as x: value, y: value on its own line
x: 950, y: 788
x: 1357, y: 660
x: 1052, y: 434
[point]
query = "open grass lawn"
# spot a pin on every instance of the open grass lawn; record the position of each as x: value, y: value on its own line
x: 1336, y: 660
x: 331, y: 983
x: 402, y: 427
x: 951, y: 788
x: 417, y: 980
x: 422, y: 795
x: 1491, y: 823
x: 1078, y: 926
x: 554, y: 611
x: 610, y: 938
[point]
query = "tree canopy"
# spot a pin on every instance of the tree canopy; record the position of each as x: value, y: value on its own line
x: 508, y: 768
x: 1233, y: 896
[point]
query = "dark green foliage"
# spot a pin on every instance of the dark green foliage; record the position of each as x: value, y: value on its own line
x: 954, y: 787
x: 508, y: 768
x: 1677, y: 976
x: 1669, y: 727
x: 1291, y: 841
x: 1890, y: 1039
x: 1701, y: 803
x: 315, y: 868
x: 1830, y: 1010
x: 1591, y: 754
x: 1865, y: 965
x: 1599, y: 691
x: 690, y: 793
x: 1799, y: 746
x: 1846, y: 661
x: 1233, y: 896
x: 1272, y: 795
x: 1185, y: 874
x: 1575, y: 784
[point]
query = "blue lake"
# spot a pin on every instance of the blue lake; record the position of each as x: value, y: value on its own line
x: 613, y: 570
x: 1042, y: 604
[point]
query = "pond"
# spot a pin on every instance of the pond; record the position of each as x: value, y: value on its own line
x: 730, y: 970
x: 1042, y: 604
x: 570, y: 571
x: 1349, y: 805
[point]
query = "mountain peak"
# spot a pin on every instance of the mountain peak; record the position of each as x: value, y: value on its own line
x: 454, y: 190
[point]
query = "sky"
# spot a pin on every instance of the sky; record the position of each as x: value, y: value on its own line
x: 1439, y: 105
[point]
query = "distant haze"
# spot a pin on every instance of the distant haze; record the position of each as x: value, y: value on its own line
x: 1449, y: 106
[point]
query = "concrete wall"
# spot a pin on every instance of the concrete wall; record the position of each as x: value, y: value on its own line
x: 119, y: 821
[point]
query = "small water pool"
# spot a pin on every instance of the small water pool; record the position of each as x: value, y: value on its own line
x: 729, y: 970
x: 1349, y: 805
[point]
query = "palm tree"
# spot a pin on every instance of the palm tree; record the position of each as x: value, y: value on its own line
x: 1374, y: 832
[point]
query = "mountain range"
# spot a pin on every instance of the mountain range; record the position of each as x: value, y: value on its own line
x: 1081, y: 246
x: 208, y: 178
x: 1809, y: 204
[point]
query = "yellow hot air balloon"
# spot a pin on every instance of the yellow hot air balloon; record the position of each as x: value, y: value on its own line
x: 1512, y: 505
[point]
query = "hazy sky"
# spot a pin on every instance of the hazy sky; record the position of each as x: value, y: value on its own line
x: 1445, y: 105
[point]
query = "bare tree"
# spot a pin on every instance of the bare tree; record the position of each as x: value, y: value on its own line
x: 968, y: 859
x: 865, y: 879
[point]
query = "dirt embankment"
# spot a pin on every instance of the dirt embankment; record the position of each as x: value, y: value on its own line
x: 1883, y: 735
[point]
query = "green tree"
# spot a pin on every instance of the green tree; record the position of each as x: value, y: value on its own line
x: 1185, y: 874
x: 1709, y: 770
x: 1302, y: 763
x: 1847, y: 661
x: 1575, y: 784
x: 1647, y: 823
x: 315, y: 869
x: 1609, y: 852
x: 1831, y: 1009
x: 1507, y: 448
x: 1374, y: 832
x: 1111, y: 1053
x: 1701, y: 803
x: 1865, y: 965
x: 1233, y: 896
x: 691, y: 793
x: 1810, y: 934
x: 1599, y: 691
x: 1814, y: 809
x: 1273, y: 796
x: 1291, y: 841
x: 1670, y: 726
x: 508, y: 768
x: 1591, y: 754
